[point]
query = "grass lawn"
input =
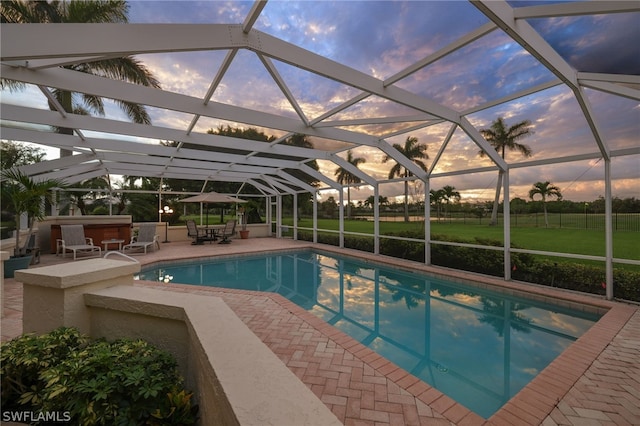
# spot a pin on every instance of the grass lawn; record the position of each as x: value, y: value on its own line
x: 562, y: 240
x: 214, y: 219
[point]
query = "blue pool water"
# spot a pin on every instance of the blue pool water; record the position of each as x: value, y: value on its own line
x: 477, y: 346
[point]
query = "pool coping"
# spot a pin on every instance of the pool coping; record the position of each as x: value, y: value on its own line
x: 535, y: 402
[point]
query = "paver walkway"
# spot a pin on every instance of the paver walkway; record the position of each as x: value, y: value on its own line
x: 594, y: 382
x: 359, y: 386
x: 608, y: 393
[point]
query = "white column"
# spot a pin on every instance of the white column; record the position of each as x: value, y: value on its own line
x: 507, y: 227
x: 608, y: 229
x: 295, y: 216
x: 315, y: 217
x: 427, y: 222
x: 279, y: 216
x: 376, y: 219
x: 341, y: 204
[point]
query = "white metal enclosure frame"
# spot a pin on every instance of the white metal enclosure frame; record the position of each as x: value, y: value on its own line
x: 33, y: 54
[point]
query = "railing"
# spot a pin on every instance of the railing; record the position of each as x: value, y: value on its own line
x: 119, y: 254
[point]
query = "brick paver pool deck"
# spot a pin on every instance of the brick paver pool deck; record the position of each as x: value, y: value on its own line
x: 596, y: 381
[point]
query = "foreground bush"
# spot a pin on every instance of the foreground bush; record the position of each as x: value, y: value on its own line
x: 537, y: 270
x: 125, y: 382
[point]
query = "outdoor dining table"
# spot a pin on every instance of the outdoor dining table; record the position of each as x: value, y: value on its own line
x: 213, y: 231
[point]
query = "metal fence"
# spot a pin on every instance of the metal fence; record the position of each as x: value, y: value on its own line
x: 621, y: 221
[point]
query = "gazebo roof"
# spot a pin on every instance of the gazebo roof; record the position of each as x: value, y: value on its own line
x: 323, y: 95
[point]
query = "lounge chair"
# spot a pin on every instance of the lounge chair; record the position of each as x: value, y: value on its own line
x: 33, y: 249
x: 200, y: 235
x: 73, y: 240
x: 228, y: 231
x: 147, y: 237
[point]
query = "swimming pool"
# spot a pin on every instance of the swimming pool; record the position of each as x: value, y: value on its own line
x: 478, y: 346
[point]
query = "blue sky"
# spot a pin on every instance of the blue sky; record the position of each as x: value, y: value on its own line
x: 381, y: 38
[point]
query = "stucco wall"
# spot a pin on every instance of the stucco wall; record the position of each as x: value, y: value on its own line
x: 53, y: 295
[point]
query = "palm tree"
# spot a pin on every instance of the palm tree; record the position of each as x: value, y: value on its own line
x: 25, y: 196
x: 545, y: 189
x: 143, y: 205
x: 346, y: 177
x: 90, y: 185
x: 503, y: 138
x: 495, y: 314
x: 436, y: 197
x: 415, y: 152
x: 370, y: 201
x: 78, y: 11
x: 449, y: 193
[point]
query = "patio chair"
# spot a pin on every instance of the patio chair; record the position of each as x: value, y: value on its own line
x: 33, y: 249
x: 147, y: 237
x: 200, y: 235
x: 73, y: 240
x: 228, y: 231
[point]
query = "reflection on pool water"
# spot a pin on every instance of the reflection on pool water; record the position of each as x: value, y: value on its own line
x: 477, y: 346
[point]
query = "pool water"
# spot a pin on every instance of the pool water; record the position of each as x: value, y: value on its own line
x: 477, y: 346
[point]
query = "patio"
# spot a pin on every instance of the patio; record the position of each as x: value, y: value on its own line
x: 368, y: 103
x: 594, y: 382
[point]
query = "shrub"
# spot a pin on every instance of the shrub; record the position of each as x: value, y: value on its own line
x: 528, y: 268
x: 23, y: 360
x: 580, y: 277
x: 410, y: 250
x: 125, y: 382
x: 100, y: 210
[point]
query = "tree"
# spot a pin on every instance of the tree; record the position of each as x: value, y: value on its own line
x: 90, y: 185
x: 503, y: 138
x: 25, y: 195
x: 14, y: 154
x: 346, y: 177
x: 436, y: 197
x: 143, y: 204
x: 545, y: 189
x: 328, y: 207
x: 449, y: 193
x: 77, y: 11
x: 305, y: 200
x: 415, y: 152
x: 370, y: 201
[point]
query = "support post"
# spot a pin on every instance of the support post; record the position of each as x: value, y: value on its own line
x: 608, y: 229
x: 427, y: 222
x: 376, y: 219
x: 341, y: 213
x: 295, y: 216
x: 315, y: 217
x: 506, y: 212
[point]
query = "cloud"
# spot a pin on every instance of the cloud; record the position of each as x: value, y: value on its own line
x: 596, y: 43
x: 381, y: 38
x: 188, y: 11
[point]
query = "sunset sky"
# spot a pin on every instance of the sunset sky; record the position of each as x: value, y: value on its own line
x: 381, y: 38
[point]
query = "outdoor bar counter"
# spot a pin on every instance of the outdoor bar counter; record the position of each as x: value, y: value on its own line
x: 97, y: 227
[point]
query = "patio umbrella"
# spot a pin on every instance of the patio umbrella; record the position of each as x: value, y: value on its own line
x: 211, y: 197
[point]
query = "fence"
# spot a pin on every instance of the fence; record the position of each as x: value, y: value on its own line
x: 596, y: 221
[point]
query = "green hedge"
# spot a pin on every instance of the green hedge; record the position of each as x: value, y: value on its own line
x: 125, y: 382
x: 580, y: 277
x: 528, y: 268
